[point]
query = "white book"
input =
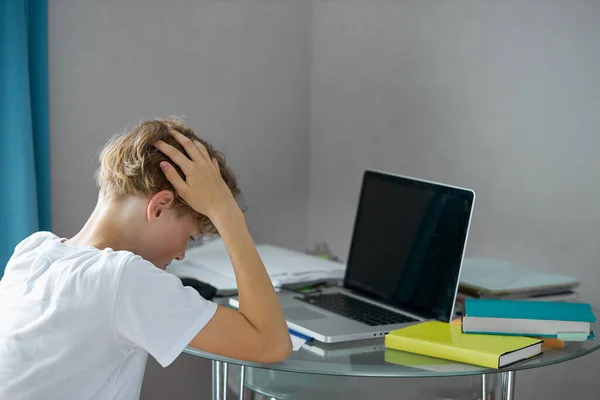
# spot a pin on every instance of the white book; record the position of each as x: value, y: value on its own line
x: 494, y: 278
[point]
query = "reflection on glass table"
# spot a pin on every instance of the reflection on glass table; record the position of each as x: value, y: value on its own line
x: 369, y: 358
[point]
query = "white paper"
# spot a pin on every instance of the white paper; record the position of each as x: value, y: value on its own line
x: 283, y: 265
x: 211, y: 263
x: 297, y: 342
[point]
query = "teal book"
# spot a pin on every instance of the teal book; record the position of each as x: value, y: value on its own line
x: 523, y: 309
x: 571, y: 321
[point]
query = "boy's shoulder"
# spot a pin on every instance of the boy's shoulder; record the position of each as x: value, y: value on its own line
x: 34, y: 240
x: 51, y: 245
x: 47, y: 248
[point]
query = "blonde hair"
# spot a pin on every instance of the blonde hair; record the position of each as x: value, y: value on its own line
x: 130, y: 165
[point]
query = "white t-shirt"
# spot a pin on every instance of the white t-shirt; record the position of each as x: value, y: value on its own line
x: 78, y: 323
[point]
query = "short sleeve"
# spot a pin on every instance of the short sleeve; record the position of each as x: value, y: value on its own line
x: 33, y: 241
x: 155, y: 312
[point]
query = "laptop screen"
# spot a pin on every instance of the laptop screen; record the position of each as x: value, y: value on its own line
x: 408, y: 243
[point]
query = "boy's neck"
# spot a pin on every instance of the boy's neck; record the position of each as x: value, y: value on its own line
x: 109, y: 225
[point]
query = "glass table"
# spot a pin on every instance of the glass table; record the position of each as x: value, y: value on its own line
x: 369, y: 358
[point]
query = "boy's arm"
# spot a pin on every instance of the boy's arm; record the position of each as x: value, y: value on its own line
x: 258, y: 331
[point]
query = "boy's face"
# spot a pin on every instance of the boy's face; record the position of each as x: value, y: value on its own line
x: 165, y: 234
x: 168, y: 239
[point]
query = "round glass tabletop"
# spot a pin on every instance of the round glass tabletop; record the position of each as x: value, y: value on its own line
x: 370, y: 358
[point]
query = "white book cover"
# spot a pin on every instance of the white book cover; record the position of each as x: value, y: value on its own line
x: 500, y: 277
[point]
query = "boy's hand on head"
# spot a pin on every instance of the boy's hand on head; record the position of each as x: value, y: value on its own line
x: 203, y: 188
x: 258, y: 331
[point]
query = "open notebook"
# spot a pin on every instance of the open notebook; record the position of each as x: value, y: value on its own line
x: 210, y: 263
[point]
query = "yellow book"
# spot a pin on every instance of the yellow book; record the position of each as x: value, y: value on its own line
x: 443, y: 340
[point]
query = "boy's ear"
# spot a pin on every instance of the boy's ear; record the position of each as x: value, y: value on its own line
x: 158, y: 204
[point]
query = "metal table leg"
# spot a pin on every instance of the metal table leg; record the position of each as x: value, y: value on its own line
x: 225, y: 365
x: 219, y: 380
x: 484, y: 387
x: 242, y: 382
x: 508, y: 385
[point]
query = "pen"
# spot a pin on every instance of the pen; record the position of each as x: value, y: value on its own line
x: 300, y: 335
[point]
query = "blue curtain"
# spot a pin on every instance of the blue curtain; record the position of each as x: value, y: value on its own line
x: 24, y: 132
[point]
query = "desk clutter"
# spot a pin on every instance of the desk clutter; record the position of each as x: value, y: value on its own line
x: 210, y: 263
x: 480, y: 278
x: 497, y: 333
x: 506, y: 313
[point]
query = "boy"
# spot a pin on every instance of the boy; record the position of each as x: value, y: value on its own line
x: 79, y: 316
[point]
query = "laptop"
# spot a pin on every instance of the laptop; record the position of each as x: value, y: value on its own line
x: 406, y: 251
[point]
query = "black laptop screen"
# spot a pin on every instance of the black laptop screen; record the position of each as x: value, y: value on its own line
x: 408, y: 241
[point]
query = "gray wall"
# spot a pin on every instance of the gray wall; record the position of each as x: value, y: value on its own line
x: 499, y: 96
x: 237, y: 70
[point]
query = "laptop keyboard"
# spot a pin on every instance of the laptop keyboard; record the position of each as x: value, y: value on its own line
x: 355, y: 309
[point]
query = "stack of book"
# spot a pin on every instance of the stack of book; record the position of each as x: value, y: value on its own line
x: 497, y: 333
x: 563, y: 321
